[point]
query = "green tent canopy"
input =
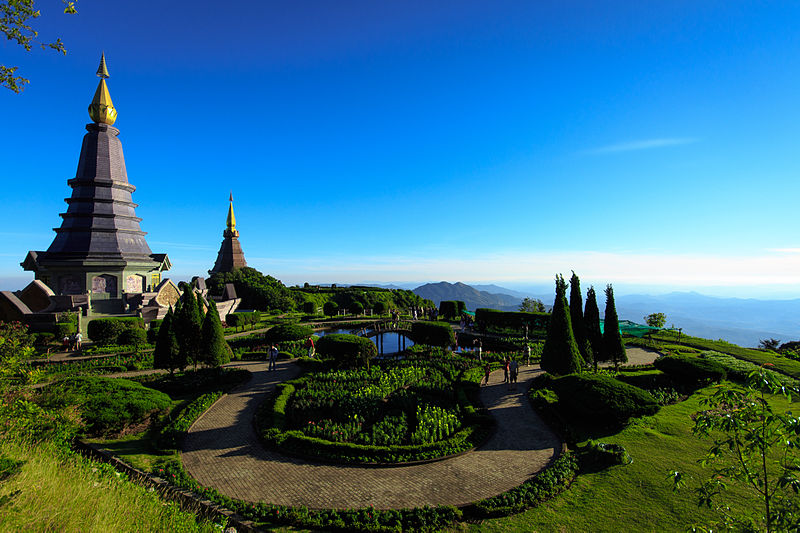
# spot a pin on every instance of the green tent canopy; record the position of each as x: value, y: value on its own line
x: 626, y: 327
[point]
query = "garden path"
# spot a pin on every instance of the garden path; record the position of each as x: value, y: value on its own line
x: 222, y: 451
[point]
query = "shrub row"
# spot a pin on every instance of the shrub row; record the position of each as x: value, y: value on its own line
x: 241, y: 320
x: 451, y: 308
x: 739, y: 370
x: 432, y: 333
x: 171, y: 434
x: 544, y: 486
x: 690, y: 370
x: 108, y: 330
x: 288, y: 332
x: 511, y: 319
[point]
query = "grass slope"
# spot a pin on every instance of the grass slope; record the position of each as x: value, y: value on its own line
x: 76, y: 495
x: 636, y: 497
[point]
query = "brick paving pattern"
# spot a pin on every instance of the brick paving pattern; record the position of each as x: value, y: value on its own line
x: 222, y: 451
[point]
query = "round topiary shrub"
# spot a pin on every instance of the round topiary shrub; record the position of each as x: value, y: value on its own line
x: 309, y: 308
x: 288, y: 332
x: 379, y: 308
x: 356, y: 308
x: 690, y: 370
x: 347, y: 351
x: 132, y: 337
x: 602, y: 399
x: 432, y: 333
x: 330, y: 308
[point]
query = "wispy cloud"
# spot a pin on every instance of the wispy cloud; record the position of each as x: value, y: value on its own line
x: 785, y: 250
x: 644, y: 144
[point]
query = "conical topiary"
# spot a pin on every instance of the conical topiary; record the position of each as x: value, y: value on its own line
x: 613, y: 348
x: 189, y: 327
x: 560, y: 354
x: 576, y: 316
x: 216, y: 351
x: 591, y: 318
x: 167, y: 352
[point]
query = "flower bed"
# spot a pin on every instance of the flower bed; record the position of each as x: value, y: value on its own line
x: 395, y: 412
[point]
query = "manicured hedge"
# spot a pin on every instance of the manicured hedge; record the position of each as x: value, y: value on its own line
x: 451, y: 308
x: 347, y: 351
x: 739, y: 370
x: 171, y: 434
x: 330, y: 308
x: 288, y: 332
x: 511, y: 319
x: 545, y: 485
x: 132, y: 337
x: 241, y: 320
x: 309, y: 308
x: 602, y: 399
x: 64, y: 329
x: 108, y: 330
x: 690, y: 369
x: 432, y: 333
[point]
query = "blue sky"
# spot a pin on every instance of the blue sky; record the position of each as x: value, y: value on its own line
x: 648, y: 144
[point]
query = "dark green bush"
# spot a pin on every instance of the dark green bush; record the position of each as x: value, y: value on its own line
x: 170, y: 435
x: 288, y: 332
x: 348, y: 351
x: 432, y: 333
x: 356, y: 308
x: 603, y: 455
x: 379, y: 308
x: 511, y: 319
x: 65, y: 329
x: 107, y: 405
x: 152, y: 333
x: 690, y: 370
x: 602, y: 399
x: 241, y: 320
x: 108, y: 330
x: 309, y: 308
x: 448, y: 309
x: 330, y: 308
x: 132, y: 337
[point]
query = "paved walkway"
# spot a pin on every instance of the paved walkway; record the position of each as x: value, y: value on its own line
x: 222, y: 451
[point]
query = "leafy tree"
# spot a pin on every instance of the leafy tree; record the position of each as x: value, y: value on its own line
x: 754, y: 447
x: 613, y: 348
x: 356, y: 308
x: 330, y: 308
x: 15, y: 23
x: 216, y: 351
x: 432, y: 334
x: 188, y: 328
x: 576, y: 316
x: 309, y: 308
x: 560, y: 354
x: 591, y: 318
x: 769, y: 344
x: 656, y: 320
x: 379, y: 308
x: 531, y: 305
x: 256, y: 290
x: 167, y: 353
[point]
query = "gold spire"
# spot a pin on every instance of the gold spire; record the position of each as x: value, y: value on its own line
x: 101, y: 110
x: 231, y: 218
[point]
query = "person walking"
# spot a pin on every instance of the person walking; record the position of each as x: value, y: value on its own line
x: 273, y: 358
x: 478, y: 346
x: 526, y: 352
x: 310, y: 346
x: 514, y: 368
x: 78, y: 339
x: 487, y: 369
x: 506, y: 365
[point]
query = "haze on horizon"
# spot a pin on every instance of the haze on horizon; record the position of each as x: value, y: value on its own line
x: 648, y: 146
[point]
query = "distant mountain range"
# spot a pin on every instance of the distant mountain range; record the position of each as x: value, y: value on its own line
x: 737, y: 320
x: 471, y: 296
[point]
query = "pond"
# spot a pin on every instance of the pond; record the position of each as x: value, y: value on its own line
x: 392, y: 341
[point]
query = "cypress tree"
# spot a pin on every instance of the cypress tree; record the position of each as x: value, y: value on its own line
x: 189, y: 328
x: 578, y: 322
x: 200, y: 313
x: 560, y: 354
x: 591, y: 318
x: 612, y: 340
x: 166, y: 353
x: 216, y: 351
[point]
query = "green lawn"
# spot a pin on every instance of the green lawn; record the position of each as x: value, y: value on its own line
x: 636, y: 497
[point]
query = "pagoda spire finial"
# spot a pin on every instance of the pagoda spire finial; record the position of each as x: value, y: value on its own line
x: 101, y: 110
x: 231, y: 221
